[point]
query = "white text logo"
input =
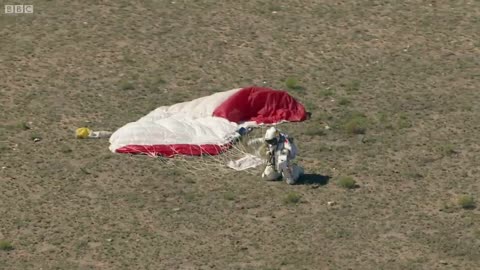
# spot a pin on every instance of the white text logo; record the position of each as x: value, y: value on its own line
x: 18, y: 9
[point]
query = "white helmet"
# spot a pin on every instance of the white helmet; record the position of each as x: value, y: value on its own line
x: 271, y: 136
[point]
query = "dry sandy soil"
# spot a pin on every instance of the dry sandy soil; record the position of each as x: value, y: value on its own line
x: 407, y: 72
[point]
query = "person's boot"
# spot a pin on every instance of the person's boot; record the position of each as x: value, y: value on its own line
x: 289, y: 176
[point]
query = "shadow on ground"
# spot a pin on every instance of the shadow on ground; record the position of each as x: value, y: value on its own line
x: 314, y: 179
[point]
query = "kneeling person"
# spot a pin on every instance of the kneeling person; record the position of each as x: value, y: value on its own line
x: 281, y: 151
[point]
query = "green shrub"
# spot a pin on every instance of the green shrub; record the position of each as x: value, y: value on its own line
x: 448, y: 149
x: 356, y: 125
x: 466, y: 202
x: 404, y: 121
x: 292, y: 198
x: 189, y: 197
x: 353, y: 86
x: 347, y: 182
x: 230, y: 196
x: 3, y: 147
x: 344, y: 101
x: 35, y: 137
x: 5, y: 245
x: 126, y: 85
x: 327, y: 92
x: 155, y: 82
x: 65, y: 149
x: 315, y: 131
x: 24, y: 126
x: 310, y: 105
x: 291, y: 83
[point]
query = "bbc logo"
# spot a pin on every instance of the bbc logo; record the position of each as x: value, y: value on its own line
x: 18, y: 9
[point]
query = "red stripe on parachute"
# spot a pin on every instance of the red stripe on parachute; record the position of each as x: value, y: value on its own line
x: 170, y: 150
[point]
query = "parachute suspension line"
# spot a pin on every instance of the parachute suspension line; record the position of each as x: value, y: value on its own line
x: 198, y: 161
x: 149, y: 150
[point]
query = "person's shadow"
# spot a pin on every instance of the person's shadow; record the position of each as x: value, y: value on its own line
x: 313, y: 179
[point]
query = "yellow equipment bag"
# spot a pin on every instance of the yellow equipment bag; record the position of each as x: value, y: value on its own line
x: 82, y: 133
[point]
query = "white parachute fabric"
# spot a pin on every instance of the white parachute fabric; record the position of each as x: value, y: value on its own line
x: 183, y: 123
x: 197, y: 108
x: 175, y: 129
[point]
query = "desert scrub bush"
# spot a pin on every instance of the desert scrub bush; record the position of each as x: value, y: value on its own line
x: 344, y: 101
x: 356, y: 124
x: 327, y: 92
x: 382, y: 117
x: 126, y: 85
x: 383, y: 120
x: 291, y: 83
x: 229, y: 196
x: 292, y: 198
x: 159, y: 81
x: 347, y: 182
x: 189, y: 181
x: 23, y: 126
x: 5, y: 245
x: 3, y: 147
x: 447, y: 149
x: 315, y: 131
x: 352, y: 86
x: 189, y: 197
x: 310, y: 105
x: 404, y: 121
x: 65, y: 149
x: 155, y: 82
x: 466, y: 202
x: 35, y: 136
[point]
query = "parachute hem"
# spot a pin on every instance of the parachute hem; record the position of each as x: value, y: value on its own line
x: 171, y: 150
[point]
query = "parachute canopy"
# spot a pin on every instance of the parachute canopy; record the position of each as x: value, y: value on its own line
x: 206, y: 125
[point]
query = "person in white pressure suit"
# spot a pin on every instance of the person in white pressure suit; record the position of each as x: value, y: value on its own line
x: 281, y: 150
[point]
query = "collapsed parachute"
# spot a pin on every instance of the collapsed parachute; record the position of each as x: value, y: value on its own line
x: 207, y: 125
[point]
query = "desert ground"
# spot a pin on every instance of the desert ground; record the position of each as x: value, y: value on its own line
x: 396, y: 82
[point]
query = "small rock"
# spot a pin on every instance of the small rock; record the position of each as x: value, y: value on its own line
x: 109, y: 240
x: 4, y: 167
x: 36, y: 139
x: 274, y: 12
x: 176, y: 209
x: 327, y: 127
x: 443, y: 262
x: 331, y: 203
